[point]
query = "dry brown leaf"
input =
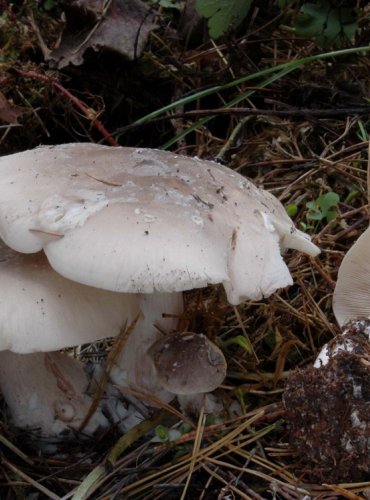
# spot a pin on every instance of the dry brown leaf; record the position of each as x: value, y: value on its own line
x: 118, y: 25
x: 8, y: 113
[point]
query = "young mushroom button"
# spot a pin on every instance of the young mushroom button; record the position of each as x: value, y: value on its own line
x: 188, y: 363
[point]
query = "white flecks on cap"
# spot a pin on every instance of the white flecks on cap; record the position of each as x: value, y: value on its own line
x: 140, y: 220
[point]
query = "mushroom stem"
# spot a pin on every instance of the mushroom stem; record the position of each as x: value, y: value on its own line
x: 134, y: 366
x: 185, y: 365
x: 46, y: 392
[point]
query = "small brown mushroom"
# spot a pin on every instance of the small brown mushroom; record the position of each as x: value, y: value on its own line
x: 188, y: 363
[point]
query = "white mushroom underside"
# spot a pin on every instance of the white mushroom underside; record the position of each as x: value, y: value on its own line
x: 136, y: 220
x: 351, y: 298
x: 43, y: 311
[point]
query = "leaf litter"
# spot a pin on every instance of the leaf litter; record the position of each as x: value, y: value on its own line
x: 299, y: 158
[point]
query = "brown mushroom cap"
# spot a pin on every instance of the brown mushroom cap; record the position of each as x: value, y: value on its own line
x: 140, y: 220
x: 188, y: 363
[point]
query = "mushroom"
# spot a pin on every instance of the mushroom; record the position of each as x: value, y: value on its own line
x: 327, y: 404
x: 351, y: 298
x: 146, y: 222
x: 41, y: 311
x: 188, y: 363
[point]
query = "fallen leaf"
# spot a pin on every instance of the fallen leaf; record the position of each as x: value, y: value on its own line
x: 8, y: 113
x: 122, y: 26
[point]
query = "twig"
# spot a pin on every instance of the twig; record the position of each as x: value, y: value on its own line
x: 196, y: 448
x: 15, y: 450
x: 98, y: 474
x: 290, y: 113
x: 88, y: 112
x: 29, y: 480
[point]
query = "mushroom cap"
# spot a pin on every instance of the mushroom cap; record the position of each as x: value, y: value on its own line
x: 142, y: 220
x: 188, y: 363
x: 43, y: 311
x: 351, y: 299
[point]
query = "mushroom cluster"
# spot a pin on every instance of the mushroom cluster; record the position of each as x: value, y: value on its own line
x: 40, y: 313
x: 112, y: 232
x: 328, y: 404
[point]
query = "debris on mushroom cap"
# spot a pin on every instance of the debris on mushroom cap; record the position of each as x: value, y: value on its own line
x: 328, y: 409
x: 344, y: 342
x: 42, y: 311
x: 139, y: 220
x: 46, y: 392
x: 328, y: 404
x: 188, y: 363
x: 351, y: 298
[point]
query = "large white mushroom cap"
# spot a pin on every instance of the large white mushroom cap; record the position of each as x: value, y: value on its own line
x: 43, y: 311
x: 351, y: 298
x: 141, y: 220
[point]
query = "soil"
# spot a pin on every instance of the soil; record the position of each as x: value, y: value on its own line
x: 328, y: 410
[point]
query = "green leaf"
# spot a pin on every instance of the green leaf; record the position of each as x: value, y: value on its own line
x: 242, y: 342
x: 362, y: 132
x: 315, y: 215
x: 327, y: 201
x: 162, y: 433
x: 327, y: 23
x: 304, y: 226
x: 170, y: 4
x: 312, y: 205
x: 49, y: 4
x: 222, y: 14
x: 351, y: 196
x: 314, y: 212
x: 282, y: 4
x: 331, y: 214
x: 291, y: 209
x: 322, y: 207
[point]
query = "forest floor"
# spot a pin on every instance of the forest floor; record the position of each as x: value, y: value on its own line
x: 283, y: 110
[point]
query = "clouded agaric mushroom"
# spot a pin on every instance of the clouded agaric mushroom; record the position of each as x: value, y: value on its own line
x: 136, y: 220
x: 42, y: 311
x: 328, y: 404
x: 146, y: 221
